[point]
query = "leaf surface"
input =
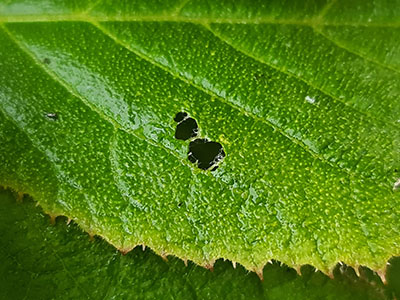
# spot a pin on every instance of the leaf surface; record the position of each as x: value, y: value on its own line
x: 307, y: 116
x: 40, y: 261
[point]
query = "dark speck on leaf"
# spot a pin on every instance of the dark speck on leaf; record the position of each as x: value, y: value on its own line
x: 46, y: 61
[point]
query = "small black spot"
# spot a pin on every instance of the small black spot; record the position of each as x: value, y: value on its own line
x: 180, y: 204
x: 205, y: 153
x: 46, y: 61
x: 186, y: 129
x: 396, y: 170
x: 180, y: 116
x: 51, y: 116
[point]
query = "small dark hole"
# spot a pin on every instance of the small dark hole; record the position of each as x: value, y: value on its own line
x: 46, y: 61
x: 396, y: 170
x: 180, y: 116
x: 179, y: 204
x: 186, y: 129
x: 52, y: 116
x: 205, y: 153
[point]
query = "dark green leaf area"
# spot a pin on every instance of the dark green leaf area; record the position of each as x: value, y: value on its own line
x: 41, y: 261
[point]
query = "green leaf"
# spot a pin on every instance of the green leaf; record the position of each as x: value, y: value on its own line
x: 306, y: 112
x: 40, y: 261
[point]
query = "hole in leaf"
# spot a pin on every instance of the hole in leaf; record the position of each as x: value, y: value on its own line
x: 180, y: 116
x: 205, y: 153
x: 186, y: 129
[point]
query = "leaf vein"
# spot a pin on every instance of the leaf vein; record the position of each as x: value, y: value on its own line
x: 364, y: 57
x: 56, y: 78
x: 219, y: 98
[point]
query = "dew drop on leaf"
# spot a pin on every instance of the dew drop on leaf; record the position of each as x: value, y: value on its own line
x: 51, y: 116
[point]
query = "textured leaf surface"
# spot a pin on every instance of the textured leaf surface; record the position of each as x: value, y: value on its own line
x: 40, y: 261
x: 306, y: 109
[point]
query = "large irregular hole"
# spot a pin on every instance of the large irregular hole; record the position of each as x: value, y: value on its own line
x: 187, y: 127
x: 206, y: 154
x: 202, y: 152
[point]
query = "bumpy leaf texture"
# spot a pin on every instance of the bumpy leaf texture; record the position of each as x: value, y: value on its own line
x: 303, y: 97
x: 39, y: 261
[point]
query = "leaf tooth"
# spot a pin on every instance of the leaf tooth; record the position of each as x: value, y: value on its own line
x: 69, y: 221
x: 382, y: 275
x: 260, y: 273
x: 124, y: 251
x: 20, y: 197
x: 298, y: 269
x: 185, y: 262
x: 143, y: 247
x: 53, y: 219
x: 234, y: 264
x: 357, y: 270
x: 91, y: 236
x: 164, y: 256
x: 209, y: 266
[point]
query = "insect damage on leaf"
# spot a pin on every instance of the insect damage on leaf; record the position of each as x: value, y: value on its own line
x: 308, y: 112
x: 187, y: 127
x: 203, y: 152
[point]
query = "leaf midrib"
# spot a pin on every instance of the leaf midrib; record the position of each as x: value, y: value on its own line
x: 116, y: 125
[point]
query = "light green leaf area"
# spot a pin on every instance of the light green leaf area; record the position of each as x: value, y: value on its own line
x: 303, y: 97
x: 39, y: 261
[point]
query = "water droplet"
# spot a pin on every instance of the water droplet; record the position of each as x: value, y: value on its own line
x: 396, y: 184
x: 310, y: 100
x: 205, y: 153
x: 52, y: 116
